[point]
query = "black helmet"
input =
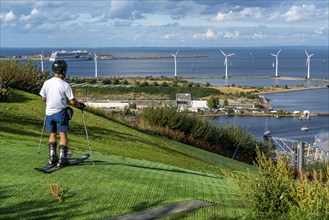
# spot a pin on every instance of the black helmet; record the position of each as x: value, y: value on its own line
x: 59, y: 66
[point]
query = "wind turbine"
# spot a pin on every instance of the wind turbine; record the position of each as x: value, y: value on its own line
x: 95, y: 59
x: 41, y: 59
x: 308, y: 63
x: 226, y: 61
x: 276, y: 62
x: 175, y: 56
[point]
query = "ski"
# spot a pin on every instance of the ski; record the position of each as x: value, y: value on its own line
x: 72, y: 163
x: 45, y: 167
x: 48, y: 166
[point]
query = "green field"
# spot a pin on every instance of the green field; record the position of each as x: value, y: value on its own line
x: 133, y: 171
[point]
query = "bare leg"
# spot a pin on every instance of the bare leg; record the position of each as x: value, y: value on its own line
x: 52, y: 137
x: 63, y: 138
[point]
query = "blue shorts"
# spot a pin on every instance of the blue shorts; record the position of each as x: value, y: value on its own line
x: 58, y: 122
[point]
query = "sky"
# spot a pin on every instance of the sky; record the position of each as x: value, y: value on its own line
x: 163, y: 23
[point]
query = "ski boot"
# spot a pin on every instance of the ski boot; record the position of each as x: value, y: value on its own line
x: 63, y: 157
x: 53, y: 158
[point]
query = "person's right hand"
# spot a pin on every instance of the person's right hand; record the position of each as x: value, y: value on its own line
x: 81, y: 106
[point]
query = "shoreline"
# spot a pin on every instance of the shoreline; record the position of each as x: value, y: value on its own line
x: 261, y: 77
x: 211, y: 114
x: 293, y: 90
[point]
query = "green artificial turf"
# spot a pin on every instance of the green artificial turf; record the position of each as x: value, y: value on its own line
x: 133, y: 171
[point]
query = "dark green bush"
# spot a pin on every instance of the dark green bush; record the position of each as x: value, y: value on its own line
x: 224, y: 139
x: 106, y: 81
x: 18, y: 75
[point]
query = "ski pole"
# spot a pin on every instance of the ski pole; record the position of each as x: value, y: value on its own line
x: 43, y: 128
x: 84, y: 122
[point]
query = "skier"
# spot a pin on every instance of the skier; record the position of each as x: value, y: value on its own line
x: 55, y: 92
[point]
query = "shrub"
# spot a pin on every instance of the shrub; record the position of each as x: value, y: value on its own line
x: 222, y: 139
x: 106, y: 81
x: 92, y: 81
x: 274, y: 193
x: 5, y: 92
x: 18, y: 75
x: 164, y: 84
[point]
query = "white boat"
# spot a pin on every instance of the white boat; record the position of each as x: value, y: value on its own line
x: 305, y: 128
x: 70, y: 55
x: 267, y: 132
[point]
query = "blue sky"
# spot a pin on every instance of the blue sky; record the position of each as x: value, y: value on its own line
x: 163, y: 23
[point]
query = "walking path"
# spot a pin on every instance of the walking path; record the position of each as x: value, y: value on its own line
x: 164, y: 211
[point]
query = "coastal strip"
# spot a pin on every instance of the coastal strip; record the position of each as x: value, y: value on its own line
x: 294, y: 89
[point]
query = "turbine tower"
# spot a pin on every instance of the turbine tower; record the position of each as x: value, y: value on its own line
x: 175, y: 56
x: 41, y: 59
x: 308, y: 64
x: 95, y: 59
x: 226, y: 61
x: 276, y: 62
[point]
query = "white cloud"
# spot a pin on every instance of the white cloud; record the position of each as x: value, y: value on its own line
x: 231, y: 35
x: 258, y: 35
x: 251, y: 12
x: 322, y: 31
x: 171, y: 36
x: 248, y: 12
x: 32, y: 16
x: 210, y: 34
x: 8, y: 17
x: 224, y: 16
x: 97, y: 19
x: 298, y: 13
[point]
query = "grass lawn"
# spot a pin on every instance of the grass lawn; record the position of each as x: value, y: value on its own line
x: 133, y: 171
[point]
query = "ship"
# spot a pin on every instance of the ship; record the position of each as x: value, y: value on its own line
x: 70, y: 55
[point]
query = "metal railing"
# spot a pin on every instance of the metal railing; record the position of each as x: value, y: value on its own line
x: 301, y: 153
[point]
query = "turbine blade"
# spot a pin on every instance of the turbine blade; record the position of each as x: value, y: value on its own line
x: 278, y: 52
x: 273, y: 54
x: 231, y: 54
x: 311, y: 55
x: 177, y: 52
x: 306, y: 53
x: 223, y: 53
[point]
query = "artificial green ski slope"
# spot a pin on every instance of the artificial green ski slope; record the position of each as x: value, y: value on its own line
x: 133, y: 171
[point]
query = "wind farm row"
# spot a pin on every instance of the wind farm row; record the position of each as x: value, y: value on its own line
x: 276, y: 65
x: 226, y: 62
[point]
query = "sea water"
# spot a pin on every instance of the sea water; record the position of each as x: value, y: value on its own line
x: 284, y: 127
x: 208, y: 62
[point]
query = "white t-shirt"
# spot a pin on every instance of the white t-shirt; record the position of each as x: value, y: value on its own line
x: 57, y: 92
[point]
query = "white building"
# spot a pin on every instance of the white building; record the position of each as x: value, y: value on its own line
x: 197, y: 105
x: 110, y: 104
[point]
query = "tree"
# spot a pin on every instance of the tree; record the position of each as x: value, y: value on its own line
x: 213, y: 102
x: 225, y: 102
